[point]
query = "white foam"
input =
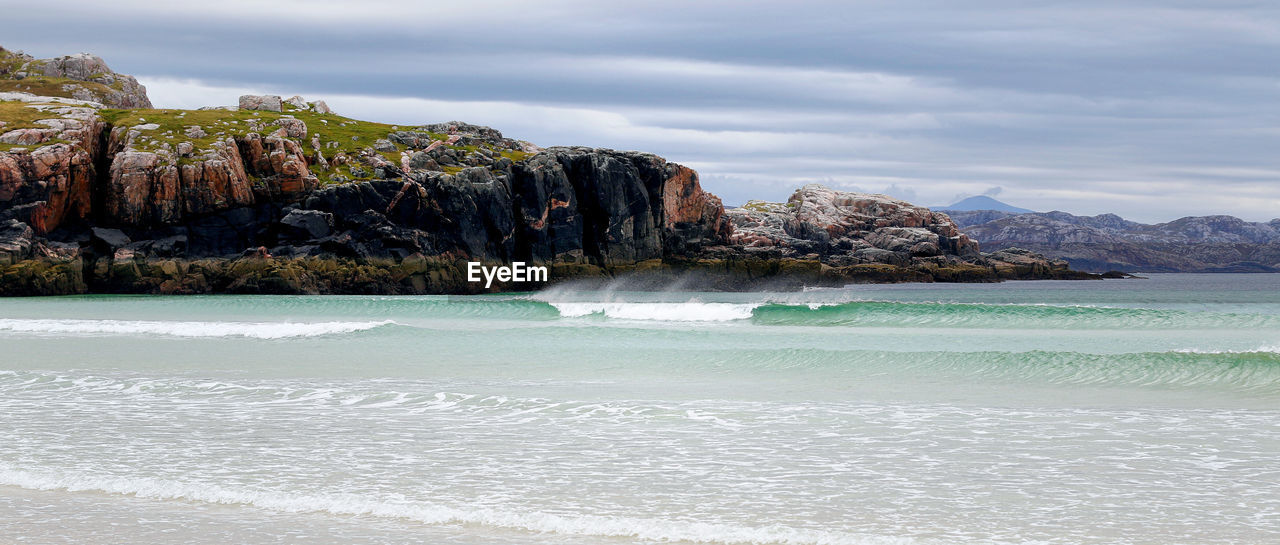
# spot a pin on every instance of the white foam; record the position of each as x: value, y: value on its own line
x: 256, y: 330
x: 1275, y: 349
x: 692, y: 311
x: 648, y: 529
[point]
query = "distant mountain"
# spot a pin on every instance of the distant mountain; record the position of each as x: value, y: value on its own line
x: 982, y: 202
x: 1109, y: 242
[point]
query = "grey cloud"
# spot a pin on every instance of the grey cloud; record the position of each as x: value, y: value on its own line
x: 1136, y: 107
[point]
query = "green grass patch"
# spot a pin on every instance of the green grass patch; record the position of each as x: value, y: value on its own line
x: 337, y: 134
x: 515, y: 155
x: 762, y: 206
x: 19, y: 115
x: 173, y: 124
x: 53, y: 87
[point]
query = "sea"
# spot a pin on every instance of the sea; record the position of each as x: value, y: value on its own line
x: 1134, y: 411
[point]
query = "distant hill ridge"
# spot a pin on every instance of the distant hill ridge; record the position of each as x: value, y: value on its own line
x: 982, y: 202
x: 1105, y: 242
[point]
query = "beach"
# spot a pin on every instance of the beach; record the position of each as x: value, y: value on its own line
x: 1137, y: 411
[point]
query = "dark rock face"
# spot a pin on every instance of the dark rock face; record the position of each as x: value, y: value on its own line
x: 110, y: 238
x: 1108, y: 242
x: 615, y: 201
x: 30, y: 265
x: 226, y: 233
x: 308, y: 224
x: 15, y: 241
x: 565, y: 205
x: 548, y: 225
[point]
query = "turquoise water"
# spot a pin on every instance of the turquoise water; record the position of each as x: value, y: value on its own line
x: 1124, y: 411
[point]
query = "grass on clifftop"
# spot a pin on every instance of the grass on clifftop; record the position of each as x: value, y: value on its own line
x: 515, y: 155
x: 348, y: 135
x: 337, y: 134
x: 217, y: 124
x: 21, y: 115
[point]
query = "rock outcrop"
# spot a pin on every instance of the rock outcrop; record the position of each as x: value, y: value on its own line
x: 273, y: 103
x: 1109, y: 242
x: 266, y: 103
x: 81, y: 76
x: 843, y: 228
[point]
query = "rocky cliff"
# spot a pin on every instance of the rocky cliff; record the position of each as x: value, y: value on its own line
x: 285, y: 196
x: 1109, y: 242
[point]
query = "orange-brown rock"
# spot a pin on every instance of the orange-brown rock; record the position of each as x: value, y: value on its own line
x: 151, y: 188
x: 280, y: 162
x: 129, y: 188
x: 691, y: 215
x: 217, y: 181
x: 51, y: 184
x: 684, y: 201
x: 47, y: 186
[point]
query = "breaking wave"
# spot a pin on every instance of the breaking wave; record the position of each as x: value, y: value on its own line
x: 370, y: 313
x: 898, y: 314
x: 691, y: 311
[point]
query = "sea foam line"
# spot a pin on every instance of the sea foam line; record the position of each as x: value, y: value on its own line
x: 901, y: 313
x: 1258, y: 350
x: 353, y: 505
x: 691, y: 311
x: 256, y: 330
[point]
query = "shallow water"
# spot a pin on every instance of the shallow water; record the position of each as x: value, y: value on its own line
x: 1124, y: 411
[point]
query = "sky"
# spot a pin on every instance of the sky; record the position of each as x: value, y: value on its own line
x: 1152, y: 110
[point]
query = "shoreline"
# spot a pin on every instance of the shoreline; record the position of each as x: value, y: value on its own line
x: 442, y: 276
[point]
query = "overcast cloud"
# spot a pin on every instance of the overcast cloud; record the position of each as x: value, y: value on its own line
x: 1152, y: 110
